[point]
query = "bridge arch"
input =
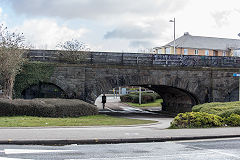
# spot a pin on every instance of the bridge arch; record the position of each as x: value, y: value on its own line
x: 175, y: 99
x: 43, y: 90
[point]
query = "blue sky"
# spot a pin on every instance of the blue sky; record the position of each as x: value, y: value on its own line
x: 118, y: 25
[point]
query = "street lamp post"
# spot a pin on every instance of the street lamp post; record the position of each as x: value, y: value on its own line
x: 174, y: 43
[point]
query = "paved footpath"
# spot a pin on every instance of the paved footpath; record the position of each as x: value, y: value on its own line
x: 92, y: 135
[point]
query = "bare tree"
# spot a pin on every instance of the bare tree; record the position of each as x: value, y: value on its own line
x: 12, y: 49
x: 72, y: 51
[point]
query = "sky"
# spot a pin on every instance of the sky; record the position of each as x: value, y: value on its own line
x: 118, y: 25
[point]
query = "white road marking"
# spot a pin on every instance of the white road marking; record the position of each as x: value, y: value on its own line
x: 219, y: 152
x: 27, y: 151
x: 224, y: 153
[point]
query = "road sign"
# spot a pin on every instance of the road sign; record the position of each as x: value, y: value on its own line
x: 236, y: 74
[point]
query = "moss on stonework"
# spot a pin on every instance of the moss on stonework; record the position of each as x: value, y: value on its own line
x: 31, y: 74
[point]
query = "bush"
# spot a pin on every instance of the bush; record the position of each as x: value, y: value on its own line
x: 46, y: 108
x: 196, y: 120
x: 134, y: 97
x: 221, y: 109
x: 228, y: 112
x: 233, y: 120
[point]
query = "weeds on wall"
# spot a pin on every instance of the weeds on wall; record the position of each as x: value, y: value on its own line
x: 31, y: 74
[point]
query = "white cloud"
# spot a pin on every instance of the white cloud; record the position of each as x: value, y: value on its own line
x: 46, y: 33
x: 126, y: 24
x: 132, y: 22
x: 94, y: 9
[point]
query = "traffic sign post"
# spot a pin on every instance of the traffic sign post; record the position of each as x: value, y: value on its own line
x: 238, y: 75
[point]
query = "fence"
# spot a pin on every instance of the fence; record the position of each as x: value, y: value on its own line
x: 114, y: 58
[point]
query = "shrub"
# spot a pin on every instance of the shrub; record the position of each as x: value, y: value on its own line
x: 196, y: 120
x: 233, y: 120
x: 221, y: 109
x: 46, y: 108
x: 134, y: 97
x: 228, y: 112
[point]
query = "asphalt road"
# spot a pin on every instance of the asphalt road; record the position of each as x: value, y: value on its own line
x: 224, y: 149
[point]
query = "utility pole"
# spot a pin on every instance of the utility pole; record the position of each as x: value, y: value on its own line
x: 174, y: 34
x: 140, y: 95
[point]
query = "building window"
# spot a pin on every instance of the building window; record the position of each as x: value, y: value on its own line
x: 159, y: 51
x: 167, y: 50
x: 224, y: 53
x: 206, y: 52
x: 185, y: 51
x: 236, y: 52
x: 196, y: 51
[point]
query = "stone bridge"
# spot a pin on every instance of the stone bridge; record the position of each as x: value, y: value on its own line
x: 182, y: 81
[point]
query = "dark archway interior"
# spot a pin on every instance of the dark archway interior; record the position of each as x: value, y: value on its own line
x: 43, y: 90
x: 175, y: 100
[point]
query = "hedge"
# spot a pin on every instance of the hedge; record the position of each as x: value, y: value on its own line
x: 233, y: 120
x: 145, y: 98
x: 46, y: 108
x: 222, y: 109
x: 196, y: 120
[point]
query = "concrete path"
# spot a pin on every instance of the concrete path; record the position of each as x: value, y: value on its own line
x: 110, y: 134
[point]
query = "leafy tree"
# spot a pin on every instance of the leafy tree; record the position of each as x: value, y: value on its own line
x: 72, y: 51
x: 12, y: 51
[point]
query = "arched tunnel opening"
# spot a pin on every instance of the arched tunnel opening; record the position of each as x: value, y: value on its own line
x: 175, y: 100
x: 43, y: 90
x: 126, y: 98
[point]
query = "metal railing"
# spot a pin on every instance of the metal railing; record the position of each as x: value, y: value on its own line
x: 114, y: 58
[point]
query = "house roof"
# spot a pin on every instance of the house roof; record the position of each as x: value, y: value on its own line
x: 189, y: 41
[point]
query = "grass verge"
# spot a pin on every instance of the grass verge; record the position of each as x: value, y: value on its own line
x: 156, y: 103
x: 98, y: 120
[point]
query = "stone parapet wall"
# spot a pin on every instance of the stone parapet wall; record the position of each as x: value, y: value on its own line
x: 137, y: 59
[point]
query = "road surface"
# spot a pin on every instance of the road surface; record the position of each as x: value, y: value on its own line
x: 226, y: 149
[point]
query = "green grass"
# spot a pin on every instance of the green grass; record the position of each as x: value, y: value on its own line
x: 156, y: 103
x: 99, y: 120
